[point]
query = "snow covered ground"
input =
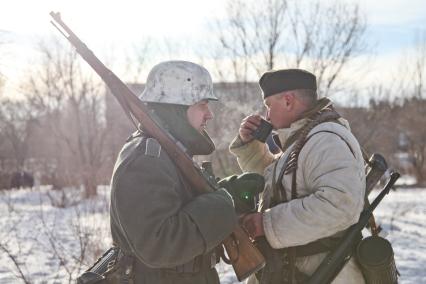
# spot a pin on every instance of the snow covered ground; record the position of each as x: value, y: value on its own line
x: 50, y: 237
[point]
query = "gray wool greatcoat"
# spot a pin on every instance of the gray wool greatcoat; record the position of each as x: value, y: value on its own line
x: 170, y: 232
x: 330, y: 186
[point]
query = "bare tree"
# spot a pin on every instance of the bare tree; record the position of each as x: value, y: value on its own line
x: 65, y: 240
x: 332, y: 36
x: 2, y: 82
x: 257, y: 36
x: 392, y: 124
x: 17, y: 123
x: 412, y: 114
x: 2, y: 77
x: 250, y: 36
x: 294, y: 34
x: 9, y: 240
x: 73, y: 110
x: 136, y: 60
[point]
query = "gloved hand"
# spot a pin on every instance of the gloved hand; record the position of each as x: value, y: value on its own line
x: 244, y: 188
x: 222, y: 191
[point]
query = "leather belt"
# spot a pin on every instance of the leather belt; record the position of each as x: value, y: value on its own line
x: 200, y: 263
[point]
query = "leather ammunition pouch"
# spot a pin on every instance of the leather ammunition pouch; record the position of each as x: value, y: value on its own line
x: 200, y: 263
x: 120, y: 268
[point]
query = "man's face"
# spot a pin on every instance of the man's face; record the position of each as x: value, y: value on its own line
x: 279, y: 110
x: 198, y: 114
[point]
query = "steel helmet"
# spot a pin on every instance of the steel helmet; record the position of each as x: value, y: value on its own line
x: 178, y: 82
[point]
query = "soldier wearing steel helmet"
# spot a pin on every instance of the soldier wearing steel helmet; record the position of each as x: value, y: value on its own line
x: 168, y: 234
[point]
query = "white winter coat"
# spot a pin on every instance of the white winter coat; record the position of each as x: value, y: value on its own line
x: 330, y: 187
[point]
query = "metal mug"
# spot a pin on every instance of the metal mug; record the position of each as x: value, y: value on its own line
x: 263, y: 131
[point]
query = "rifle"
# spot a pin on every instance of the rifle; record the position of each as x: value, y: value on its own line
x: 245, y: 257
x: 334, y: 261
x: 98, y: 269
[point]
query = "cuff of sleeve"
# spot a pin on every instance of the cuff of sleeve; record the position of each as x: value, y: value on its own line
x: 214, y: 215
x: 239, y: 148
x: 269, y: 230
x: 237, y: 142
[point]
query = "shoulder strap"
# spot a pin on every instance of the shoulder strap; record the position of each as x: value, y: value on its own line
x: 290, y: 164
x: 279, y: 195
x: 326, y: 115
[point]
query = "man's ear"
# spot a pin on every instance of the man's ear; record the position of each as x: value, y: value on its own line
x: 288, y: 100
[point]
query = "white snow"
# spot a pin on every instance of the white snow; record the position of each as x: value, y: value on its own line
x: 47, y: 242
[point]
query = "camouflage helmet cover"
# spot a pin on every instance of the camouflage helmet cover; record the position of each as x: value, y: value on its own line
x: 178, y: 82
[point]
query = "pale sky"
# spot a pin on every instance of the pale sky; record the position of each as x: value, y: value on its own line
x: 99, y: 23
x: 392, y: 25
x: 101, y: 18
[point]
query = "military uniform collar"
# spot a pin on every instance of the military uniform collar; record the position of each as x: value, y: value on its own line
x: 287, y: 136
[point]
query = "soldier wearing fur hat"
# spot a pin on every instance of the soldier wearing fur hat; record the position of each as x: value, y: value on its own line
x: 169, y: 234
x: 314, y: 188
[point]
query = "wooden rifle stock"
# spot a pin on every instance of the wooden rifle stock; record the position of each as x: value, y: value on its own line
x: 245, y: 257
